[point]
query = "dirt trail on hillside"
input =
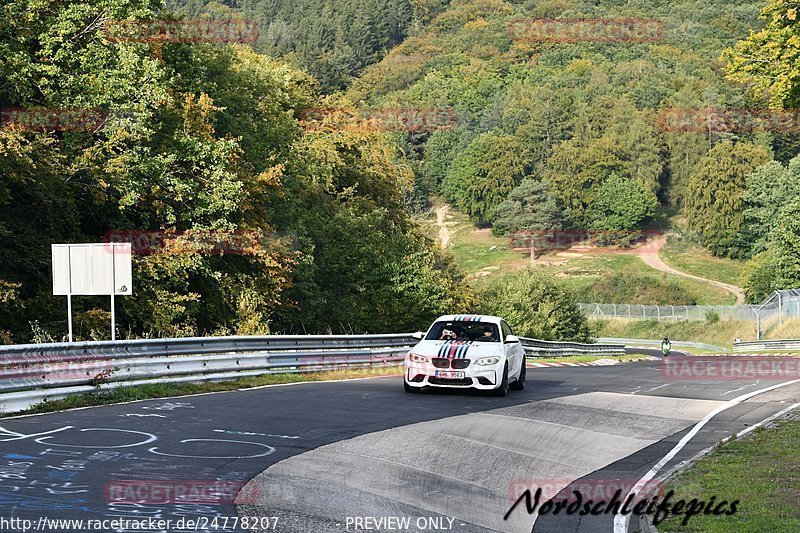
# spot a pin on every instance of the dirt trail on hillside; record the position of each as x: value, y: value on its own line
x: 444, y: 232
x: 649, y: 254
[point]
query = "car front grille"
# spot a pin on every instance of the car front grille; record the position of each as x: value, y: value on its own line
x: 443, y: 362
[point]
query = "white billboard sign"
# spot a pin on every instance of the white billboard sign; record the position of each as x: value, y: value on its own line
x: 92, y: 269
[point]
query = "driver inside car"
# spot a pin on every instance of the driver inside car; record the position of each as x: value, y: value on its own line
x: 448, y: 335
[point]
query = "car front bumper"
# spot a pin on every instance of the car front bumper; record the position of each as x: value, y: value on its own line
x: 481, y: 377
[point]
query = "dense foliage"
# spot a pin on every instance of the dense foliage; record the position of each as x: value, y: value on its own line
x: 636, y: 289
x: 766, y: 61
x: 714, y: 205
x: 199, y: 143
x: 537, y: 305
x: 332, y: 39
x: 586, y: 121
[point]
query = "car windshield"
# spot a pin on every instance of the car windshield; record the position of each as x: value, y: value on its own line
x: 464, y: 331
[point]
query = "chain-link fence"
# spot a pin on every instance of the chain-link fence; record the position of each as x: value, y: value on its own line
x: 670, y: 312
x: 779, y: 306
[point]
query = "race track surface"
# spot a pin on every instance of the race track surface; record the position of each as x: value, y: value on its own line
x: 314, y: 454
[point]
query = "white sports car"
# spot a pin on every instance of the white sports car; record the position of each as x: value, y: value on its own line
x: 464, y: 351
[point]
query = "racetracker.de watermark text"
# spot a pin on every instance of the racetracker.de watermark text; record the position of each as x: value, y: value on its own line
x: 709, y: 368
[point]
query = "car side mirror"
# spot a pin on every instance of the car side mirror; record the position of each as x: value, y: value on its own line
x: 511, y: 339
x: 418, y: 335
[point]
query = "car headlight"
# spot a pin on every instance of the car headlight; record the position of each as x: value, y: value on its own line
x: 417, y: 358
x: 486, y: 361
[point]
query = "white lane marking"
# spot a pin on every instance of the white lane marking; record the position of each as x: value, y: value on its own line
x: 621, y: 521
x: 659, y: 387
x: 741, y: 388
x: 144, y: 416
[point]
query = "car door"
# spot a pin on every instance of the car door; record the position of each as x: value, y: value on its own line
x: 515, y: 354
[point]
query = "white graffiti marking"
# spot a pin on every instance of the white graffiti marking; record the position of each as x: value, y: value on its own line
x: 170, y: 406
x: 149, y: 438
x: 270, y: 449
x: 230, y: 432
x: 13, y: 435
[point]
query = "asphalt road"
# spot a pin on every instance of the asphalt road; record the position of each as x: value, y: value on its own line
x: 314, y: 454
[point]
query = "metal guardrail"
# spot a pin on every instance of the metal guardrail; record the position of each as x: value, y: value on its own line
x: 790, y: 345
x: 657, y: 343
x: 34, y: 373
x: 537, y: 348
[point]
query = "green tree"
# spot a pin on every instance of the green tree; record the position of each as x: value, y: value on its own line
x: 530, y: 206
x: 785, y: 240
x: 621, y: 207
x: 769, y: 188
x: 758, y: 277
x: 769, y: 59
x: 484, y: 174
x: 576, y: 170
x: 714, y: 205
x: 537, y: 305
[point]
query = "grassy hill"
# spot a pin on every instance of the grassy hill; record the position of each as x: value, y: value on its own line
x: 598, y: 274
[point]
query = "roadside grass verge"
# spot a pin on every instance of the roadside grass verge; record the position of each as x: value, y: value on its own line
x: 167, y: 390
x: 587, y: 358
x: 584, y: 269
x: 790, y: 329
x: 721, y: 333
x: 699, y: 262
x: 761, y: 471
x: 478, y: 251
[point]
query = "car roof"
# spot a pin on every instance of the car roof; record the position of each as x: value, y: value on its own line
x: 469, y: 318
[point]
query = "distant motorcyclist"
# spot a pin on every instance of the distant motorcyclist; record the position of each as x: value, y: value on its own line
x: 666, y: 346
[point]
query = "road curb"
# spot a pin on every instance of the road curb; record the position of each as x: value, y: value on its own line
x: 601, y: 362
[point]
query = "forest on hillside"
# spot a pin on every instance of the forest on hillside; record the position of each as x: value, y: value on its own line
x: 594, y: 136
x: 332, y: 39
x: 263, y: 227
x: 198, y: 139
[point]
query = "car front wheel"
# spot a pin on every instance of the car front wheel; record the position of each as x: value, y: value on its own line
x: 502, y: 390
x: 409, y: 388
x: 519, y: 384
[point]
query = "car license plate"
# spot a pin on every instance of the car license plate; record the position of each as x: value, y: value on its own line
x: 449, y: 375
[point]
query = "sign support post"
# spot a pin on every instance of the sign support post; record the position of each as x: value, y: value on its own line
x: 69, y: 297
x: 114, y: 277
x: 113, y: 328
x: 69, y: 315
